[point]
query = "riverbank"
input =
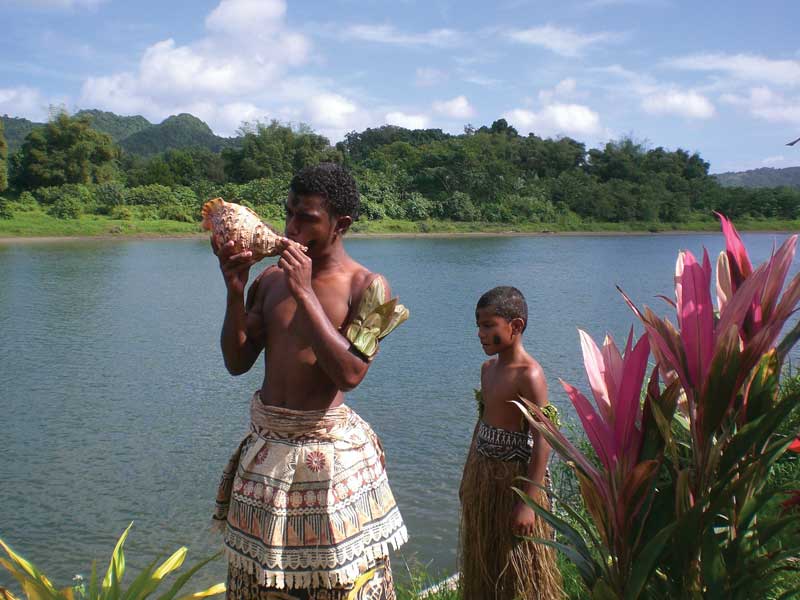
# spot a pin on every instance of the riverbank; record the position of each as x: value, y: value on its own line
x: 38, y: 226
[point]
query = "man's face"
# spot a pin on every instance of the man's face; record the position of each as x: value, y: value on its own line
x: 494, y: 332
x: 309, y: 222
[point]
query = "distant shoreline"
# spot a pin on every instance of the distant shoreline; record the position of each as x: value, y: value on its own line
x: 9, y: 240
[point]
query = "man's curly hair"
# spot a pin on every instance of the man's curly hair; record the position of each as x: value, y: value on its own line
x: 334, y: 183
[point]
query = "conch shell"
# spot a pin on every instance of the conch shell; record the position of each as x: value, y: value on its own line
x: 229, y: 221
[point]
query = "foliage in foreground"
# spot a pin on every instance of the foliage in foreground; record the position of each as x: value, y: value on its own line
x: 36, y: 586
x: 679, y: 489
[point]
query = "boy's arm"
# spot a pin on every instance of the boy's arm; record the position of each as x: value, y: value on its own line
x: 332, y: 349
x: 534, y: 388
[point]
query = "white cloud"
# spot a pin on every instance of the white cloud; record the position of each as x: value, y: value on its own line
x: 253, y: 16
x: 387, y: 34
x: 748, y: 67
x: 477, y: 79
x: 23, y: 101
x: 332, y: 110
x: 658, y: 98
x: 406, y: 120
x: 773, y: 160
x: 607, y: 3
x: 765, y: 104
x: 457, y: 108
x: 243, y: 63
x: 428, y: 76
x: 683, y: 104
x: 556, y: 119
x: 563, y: 41
x: 563, y: 89
x: 59, y: 4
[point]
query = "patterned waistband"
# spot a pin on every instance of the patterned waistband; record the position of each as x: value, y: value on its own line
x: 275, y: 421
x: 501, y: 444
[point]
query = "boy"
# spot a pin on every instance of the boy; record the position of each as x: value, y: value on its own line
x: 305, y: 502
x: 496, y: 563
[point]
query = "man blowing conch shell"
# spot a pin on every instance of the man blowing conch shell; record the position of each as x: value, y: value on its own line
x: 305, y: 502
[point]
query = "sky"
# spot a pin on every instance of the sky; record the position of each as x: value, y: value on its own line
x: 717, y: 77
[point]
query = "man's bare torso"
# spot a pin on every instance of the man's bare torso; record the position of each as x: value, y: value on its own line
x: 292, y: 376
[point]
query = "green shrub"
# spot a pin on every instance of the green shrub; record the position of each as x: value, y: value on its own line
x: 265, y: 191
x: 27, y: 202
x: 458, y: 207
x: 5, y: 209
x: 418, y: 207
x: 149, y: 195
x: 372, y: 210
x: 147, y: 213
x: 66, y: 207
x: 109, y: 196
x: 177, y: 212
x: 68, y: 194
x: 123, y: 213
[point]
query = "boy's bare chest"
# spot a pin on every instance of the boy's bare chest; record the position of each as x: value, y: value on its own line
x: 499, y: 386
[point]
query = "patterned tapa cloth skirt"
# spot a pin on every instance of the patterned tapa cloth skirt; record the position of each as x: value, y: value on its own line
x: 306, y: 507
x: 375, y: 584
x: 495, y: 563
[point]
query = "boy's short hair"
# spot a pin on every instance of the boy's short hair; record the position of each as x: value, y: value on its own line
x: 334, y: 183
x: 507, y: 302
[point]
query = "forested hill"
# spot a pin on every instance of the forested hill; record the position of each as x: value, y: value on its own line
x: 181, y: 131
x: 761, y: 178
x: 118, y: 127
x: 134, y: 134
x: 15, y: 130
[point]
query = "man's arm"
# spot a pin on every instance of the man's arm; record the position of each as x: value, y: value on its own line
x: 333, y: 350
x: 534, y: 388
x: 239, y: 350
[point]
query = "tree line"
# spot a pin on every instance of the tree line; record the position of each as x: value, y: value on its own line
x: 487, y: 174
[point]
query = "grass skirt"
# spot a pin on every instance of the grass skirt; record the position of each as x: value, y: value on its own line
x: 495, y: 563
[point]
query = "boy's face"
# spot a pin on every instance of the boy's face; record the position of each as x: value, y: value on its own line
x: 310, y: 222
x: 495, y: 332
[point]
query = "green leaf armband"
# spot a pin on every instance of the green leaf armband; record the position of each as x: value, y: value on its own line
x: 479, y: 402
x: 551, y: 412
x: 375, y: 319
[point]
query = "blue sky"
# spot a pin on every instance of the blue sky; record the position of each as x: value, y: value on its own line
x: 721, y: 78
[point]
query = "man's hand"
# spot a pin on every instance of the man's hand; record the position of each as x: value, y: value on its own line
x: 523, y: 519
x: 235, y: 267
x: 297, y: 266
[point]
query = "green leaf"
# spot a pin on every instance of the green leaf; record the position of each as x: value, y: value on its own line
x: 712, y: 564
x: 214, y: 590
x: 645, y: 562
x: 788, y: 342
x: 587, y: 569
x: 586, y: 563
x: 792, y: 593
x: 571, y: 512
x: 116, y: 568
x: 764, y: 386
x: 28, y: 568
x: 603, y: 591
x: 721, y: 383
x: 184, y: 577
x: 137, y: 589
x: 754, y: 434
x: 93, y: 592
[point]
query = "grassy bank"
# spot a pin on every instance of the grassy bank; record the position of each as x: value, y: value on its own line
x: 40, y: 224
